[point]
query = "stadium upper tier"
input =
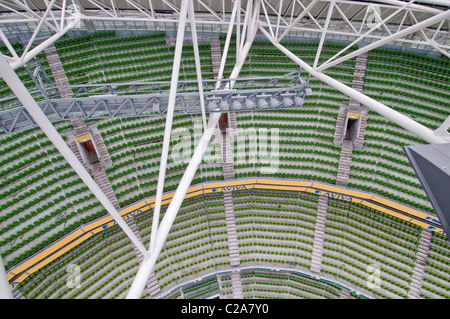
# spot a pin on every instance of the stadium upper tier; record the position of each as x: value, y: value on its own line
x: 322, y: 244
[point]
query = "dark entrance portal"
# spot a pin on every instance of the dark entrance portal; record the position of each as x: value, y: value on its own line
x: 351, y: 125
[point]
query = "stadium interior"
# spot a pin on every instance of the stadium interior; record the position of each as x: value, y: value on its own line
x: 303, y: 192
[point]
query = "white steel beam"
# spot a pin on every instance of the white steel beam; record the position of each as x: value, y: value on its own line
x: 41, y: 47
x: 403, y: 20
x: 299, y: 17
x: 8, y: 45
x: 5, y: 289
x: 277, y: 12
x: 248, y: 13
x: 198, y: 66
x: 63, y: 13
x: 443, y: 129
x: 223, y: 62
x: 310, y: 15
x: 414, y: 28
x: 18, y: 88
x: 51, y: 13
x: 138, y: 7
x: 148, y: 263
x: 396, y: 117
x: 19, y: 13
x: 437, y: 30
x: 324, y: 33
x: 27, y: 9
x: 362, y: 36
x: 150, y: 4
x: 169, y: 120
x: 431, y: 43
x: 209, y: 9
x: 38, y: 28
x: 292, y: 12
x: 238, y: 29
x: 267, y: 18
x: 278, y: 19
x: 103, y: 9
x: 344, y: 17
x: 170, y: 5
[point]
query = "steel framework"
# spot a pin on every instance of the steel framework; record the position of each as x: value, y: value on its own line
x: 400, y: 23
x: 148, y: 99
x: 348, y: 20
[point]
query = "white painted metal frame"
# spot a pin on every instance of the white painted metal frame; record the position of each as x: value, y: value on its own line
x: 198, y: 66
x: 396, y: 117
x: 169, y: 120
x: 108, y: 11
x: 236, y: 8
x: 5, y: 290
x: 324, y: 33
x: 49, y: 19
x: 147, y: 265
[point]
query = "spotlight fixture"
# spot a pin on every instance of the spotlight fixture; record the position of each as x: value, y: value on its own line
x: 249, y: 104
x: 223, y: 105
x: 212, y: 106
x: 236, y: 105
x: 262, y: 104
x: 287, y: 102
x: 298, y: 101
x: 274, y: 103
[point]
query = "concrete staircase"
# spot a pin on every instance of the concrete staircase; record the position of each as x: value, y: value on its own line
x: 338, y: 133
x: 359, y: 143
x: 59, y: 74
x: 232, y: 120
x: 345, y: 294
x: 359, y: 74
x: 319, y: 234
x: 354, y: 106
x: 100, y: 147
x: 103, y: 182
x: 73, y: 145
x: 227, y: 157
x: 80, y: 128
x: 236, y: 285
x: 420, y: 264
x: 345, y: 161
x: 152, y: 283
x: 231, y: 229
x: 360, y: 71
x: 17, y: 294
x: 216, y: 55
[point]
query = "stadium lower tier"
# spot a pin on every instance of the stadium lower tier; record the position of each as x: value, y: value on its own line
x: 326, y: 241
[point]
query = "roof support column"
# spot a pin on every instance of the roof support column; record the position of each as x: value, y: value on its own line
x: 148, y: 263
x: 198, y: 66
x: 169, y: 120
x: 5, y: 290
x: 396, y: 117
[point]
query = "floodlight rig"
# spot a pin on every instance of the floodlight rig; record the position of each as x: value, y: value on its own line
x: 147, y: 99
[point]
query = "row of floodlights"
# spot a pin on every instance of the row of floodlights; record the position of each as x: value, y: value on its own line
x: 261, y: 102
